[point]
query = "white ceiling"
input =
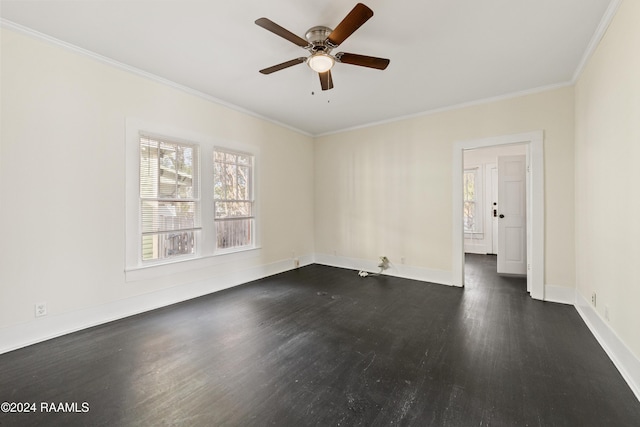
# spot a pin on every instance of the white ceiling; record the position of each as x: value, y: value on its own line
x: 443, y: 52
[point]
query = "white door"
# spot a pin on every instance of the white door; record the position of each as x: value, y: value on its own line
x: 512, y: 220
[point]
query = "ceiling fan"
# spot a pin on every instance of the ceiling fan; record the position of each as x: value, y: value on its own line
x: 320, y: 41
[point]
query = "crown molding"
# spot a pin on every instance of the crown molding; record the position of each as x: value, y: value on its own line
x: 5, y: 23
x: 473, y: 103
x: 596, y: 38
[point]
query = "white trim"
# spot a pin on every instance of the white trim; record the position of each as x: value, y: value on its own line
x: 457, y: 255
x: 535, y: 211
x: 596, y: 38
x: 439, y: 110
x: 440, y: 277
x: 559, y: 294
x: 52, y: 326
x: 153, y: 271
x: 161, y: 80
x: 621, y: 356
x: 535, y: 206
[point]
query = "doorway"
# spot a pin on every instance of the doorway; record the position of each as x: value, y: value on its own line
x: 494, y: 210
x: 533, y: 143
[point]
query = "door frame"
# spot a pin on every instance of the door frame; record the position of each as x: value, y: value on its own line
x: 535, y: 206
x: 492, y: 228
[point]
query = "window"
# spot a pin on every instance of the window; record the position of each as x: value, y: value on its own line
x: 169, y: 198
x: 233, y: 199
x: 177, y: 221
x: 472, y: 209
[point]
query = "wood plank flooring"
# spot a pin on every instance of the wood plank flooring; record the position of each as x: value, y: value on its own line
x: 321, y: 346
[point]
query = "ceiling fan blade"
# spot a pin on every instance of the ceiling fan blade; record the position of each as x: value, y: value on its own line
x: 283, y: 66
x: 325, y: 80
x: 362, y: 60
x: 276, y: 29
x: 354, y: 20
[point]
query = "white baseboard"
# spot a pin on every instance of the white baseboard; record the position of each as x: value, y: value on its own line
x: 397, y: 270
x: 626, y: 362
x: 45, y: 328
x: 559, y: 294
x: 475, y: 249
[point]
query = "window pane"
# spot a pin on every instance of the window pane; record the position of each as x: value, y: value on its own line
x: 469, y: 216
x: 167, y: 170
x: 234, y: 233
x: 469, y: 185
x: 218, y: 184
x: 233, y: 209
x: 168, y: 245
x: 149, y: 247
x: 168, y: 187
x: 163, y: 216
x: 472, y: 200
x: 230, y: 182
x: 243, y: 182
x: 148, y: 169
x: 244, y: 160
x: 184, y: 172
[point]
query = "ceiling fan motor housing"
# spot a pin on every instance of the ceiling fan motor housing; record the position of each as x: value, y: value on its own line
x: 317, y: 37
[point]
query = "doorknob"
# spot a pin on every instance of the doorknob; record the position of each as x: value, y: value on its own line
x: 501, y: 216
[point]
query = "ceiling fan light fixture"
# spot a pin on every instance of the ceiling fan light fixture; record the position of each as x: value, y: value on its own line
x: 320, y: 62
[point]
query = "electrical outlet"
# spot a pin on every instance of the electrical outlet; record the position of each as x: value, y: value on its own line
x: 41, y: 309
x: 593, y: 299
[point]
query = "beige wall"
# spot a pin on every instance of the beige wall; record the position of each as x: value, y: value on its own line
x: 62, y: 179
x: 607, y: 133
x: 387, y: 189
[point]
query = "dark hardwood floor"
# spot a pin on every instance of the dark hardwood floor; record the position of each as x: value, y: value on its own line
x: 323, y: 346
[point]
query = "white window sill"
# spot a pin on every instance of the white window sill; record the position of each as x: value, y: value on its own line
x: 152, y: 271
